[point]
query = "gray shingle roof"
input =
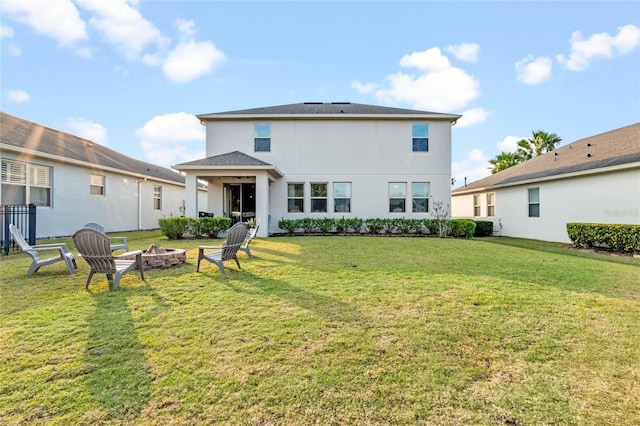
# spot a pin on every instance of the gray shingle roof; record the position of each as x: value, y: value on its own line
x: 327, y: 108
x: 25, y: 134
x: 235, y: 158
x: 613, y: 148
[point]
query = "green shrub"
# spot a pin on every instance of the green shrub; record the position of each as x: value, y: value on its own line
x: 622, y: 238
x: 289, y: 225
x: 430, y: 226
x: 461, y: 228
x: 325, y: 224
x: 174, y: 227
x: 374, y: 226
x: 354, y: 225
x: 484, y: 228
x: 212, y: 226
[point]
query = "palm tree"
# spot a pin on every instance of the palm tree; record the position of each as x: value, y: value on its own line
x: 504, y: 160
x: 540, y: 143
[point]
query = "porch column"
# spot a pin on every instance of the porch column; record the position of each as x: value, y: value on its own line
x: 262, y: 203
x: 191, y: 195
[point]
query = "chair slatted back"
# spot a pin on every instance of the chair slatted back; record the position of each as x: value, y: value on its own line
x: 24, y: 246
x: 235, y: 237
x: 95, y: 248
x: 95, y: 226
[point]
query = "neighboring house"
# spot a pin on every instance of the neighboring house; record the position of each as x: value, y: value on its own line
x: 74, y: 181
x: 322, y: 160
x: 595, y: 180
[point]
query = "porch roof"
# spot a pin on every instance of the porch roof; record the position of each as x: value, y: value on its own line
x: 235, y: 160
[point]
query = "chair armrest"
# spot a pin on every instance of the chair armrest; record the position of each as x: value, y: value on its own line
x: 123, y: 239
x: 209, y: 247
x: 53, y: 246
x: 130, y: 253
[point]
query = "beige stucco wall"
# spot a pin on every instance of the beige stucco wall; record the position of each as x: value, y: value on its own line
x: 612, y: 197
x: 367, y: 153
x: 126, y: 205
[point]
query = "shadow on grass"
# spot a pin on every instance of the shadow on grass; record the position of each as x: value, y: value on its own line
x: 331, y: 309
x: 120, y: 380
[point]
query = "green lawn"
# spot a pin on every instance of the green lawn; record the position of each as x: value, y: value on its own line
x: 329, y: 330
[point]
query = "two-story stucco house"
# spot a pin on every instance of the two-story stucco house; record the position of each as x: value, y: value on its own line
x: 594, y: 180
x: 73, y: 181
x: 318, y: 159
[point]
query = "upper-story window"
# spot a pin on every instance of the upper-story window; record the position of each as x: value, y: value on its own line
x: 397, y: 197
x: 420, y: 137
x: 491, y: 204
x: 24, y: 183
x: 342, y: 197
x: 262, y: 137
x: 534, y: 202
x: 295, y: 197
x: 96, y: 184
x: 318, y: 197
x: 420, y: 194
x: 157, y: 197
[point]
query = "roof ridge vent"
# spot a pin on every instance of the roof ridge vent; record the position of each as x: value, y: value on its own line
x: 340, y: 103
x: 313, y: 103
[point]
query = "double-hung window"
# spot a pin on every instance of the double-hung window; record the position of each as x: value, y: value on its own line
x: 96, y: 184
x: 318, y: 197
x: 420, y: 195
x: 157, y: 197
x: 476, y: 205
x: 342, y: 197
x: 397, y: 197
x: 262, y: 137
x: 295, y: 197
x: 420, y: 137
x: 491, y: 204
x: 24, y: 183
x: 534, y: 202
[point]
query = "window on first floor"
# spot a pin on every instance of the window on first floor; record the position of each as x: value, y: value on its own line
x: 420, y: 195
x: 318, y: 197
x: 342, y: 197
x: 476, y: 205
x: 157, y: 197
x: 24, y: 183
x: 96, y: 184
x: 397, y: 197
x: 295, y: 197
x: 491, y: 204
x: 534, y: 202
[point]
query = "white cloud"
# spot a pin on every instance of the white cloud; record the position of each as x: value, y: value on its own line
x: 190, y: 59
x: 18, y: 96
x: 438, y: 86
x: 602, y: 45
x: 13, y: 50
x: 172, y: 138
x: 123, y: 26
x: 364, y: 88
x: 533, y: 71
x: 6, y: 32
x: 508, y: 144
x: 87, y: 129
x: 467, y: 52
x: 474, y: 167
x: 58, y: 19
x: 472, y: 117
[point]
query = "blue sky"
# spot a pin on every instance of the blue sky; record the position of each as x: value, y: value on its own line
x: 132, y: 74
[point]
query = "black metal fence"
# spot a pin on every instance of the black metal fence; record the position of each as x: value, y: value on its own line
x: 23, y: 216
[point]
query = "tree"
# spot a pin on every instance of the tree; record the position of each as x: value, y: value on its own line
x: 504, y: 160
x: 540, y: 143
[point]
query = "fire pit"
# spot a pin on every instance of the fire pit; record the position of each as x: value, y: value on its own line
x: 156, y: 257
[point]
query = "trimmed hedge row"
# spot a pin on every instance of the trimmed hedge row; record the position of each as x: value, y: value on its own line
x: 175, y: 228
x: 460, y: 228
x: 623, y: 238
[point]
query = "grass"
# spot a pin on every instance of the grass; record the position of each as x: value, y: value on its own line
x: 329, y: 330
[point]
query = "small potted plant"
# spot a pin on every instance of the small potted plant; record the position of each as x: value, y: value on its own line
x: 251, y: 223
